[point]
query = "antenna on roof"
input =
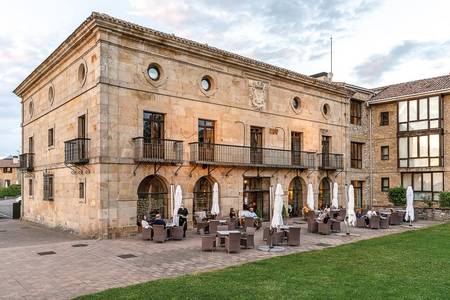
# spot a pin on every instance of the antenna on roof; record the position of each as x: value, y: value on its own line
x: 330, y: 75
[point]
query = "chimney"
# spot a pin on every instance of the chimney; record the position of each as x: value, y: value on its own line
x: 323, y: 76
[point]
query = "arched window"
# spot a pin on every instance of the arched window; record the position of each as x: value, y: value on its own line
x: 325, y: 193
x: 203, y: 194
x: 152, y: 198
x: 295, y: 197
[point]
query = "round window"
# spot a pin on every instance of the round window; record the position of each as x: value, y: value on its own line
x: 326, y: 109
x: 153, y: 72
x: 81, y: 73
x: 296, y: 103
x: 206, y: 84
x: 51, y: 94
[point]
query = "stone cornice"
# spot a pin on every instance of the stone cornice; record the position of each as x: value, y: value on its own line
x: 139, y: 32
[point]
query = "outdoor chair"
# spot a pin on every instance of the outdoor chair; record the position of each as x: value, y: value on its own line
x: 213, y: 224
x: 248, y: 239
x: 200, y: 224
x: 147, y: 233
x: 313, y: 226
x: 384, y: 223
x: 277, y: 238
x: 233, y: 242
x: 374, y: 222
x: 249, y: 222
x: 159, y: 233
x: 335, y: 225
x: 361, y: 222
x: 208, y: 242
x: 293, y: 237
x: 324, y: 228
x: 231, y: 223
x: 177, y: 233
x: 395, y: 218
x: 342, y: 214
x: 266, y: 233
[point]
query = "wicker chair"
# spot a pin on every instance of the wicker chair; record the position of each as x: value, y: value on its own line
x: 324, y: 228
x: 213, y: 224
x: 374, y: 222
x: 159, y: 233
x: 361, y: 222
x: 395, y: 218
x: 208, y: 242
x: 248, y: 239
x: 231, y: 222
x: 147, y: 233
x: 293, y: 237
x: 313, y: 226
x: 335, y: 225
x: 177, y: 233
x: 249, y: 222
x: 233, y: 242
x: 384, y: 223
x: 277, y: 238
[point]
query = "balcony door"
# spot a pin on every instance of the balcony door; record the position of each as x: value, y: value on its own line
x: 80, y: 144
x: 326, y: 144
x: 256, y: 134
x: 153, y: 135
x: 206, y: 135
x: 296, y: 147
x: 30, y: 145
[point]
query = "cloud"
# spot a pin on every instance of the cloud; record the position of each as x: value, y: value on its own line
x: 372, y: 70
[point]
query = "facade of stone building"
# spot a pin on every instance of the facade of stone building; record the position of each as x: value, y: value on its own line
x: 9, y: 171
x: 119, y: 114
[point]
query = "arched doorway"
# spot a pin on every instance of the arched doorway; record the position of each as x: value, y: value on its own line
x: 203, y: 190
x: 324, y: 193
x: 295, y: 197
x: 152, y: 198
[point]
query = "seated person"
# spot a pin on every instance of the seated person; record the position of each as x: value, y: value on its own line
x: 251, y: 213
x: 323, y: 217
x: 145, y: 224
x: 159, y: 221
x: 233, y: 213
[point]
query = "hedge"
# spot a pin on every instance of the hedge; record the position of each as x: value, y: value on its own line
x: 10, y: 191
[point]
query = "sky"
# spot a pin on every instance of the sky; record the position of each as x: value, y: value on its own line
x: 375, y: 43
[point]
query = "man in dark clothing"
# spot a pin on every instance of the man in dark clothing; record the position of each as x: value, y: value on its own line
x: 159, y: 221
x: 182, y: 220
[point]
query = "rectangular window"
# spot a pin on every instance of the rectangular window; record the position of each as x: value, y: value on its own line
x: 7, y: 182
x: 153, y: 126
x: 48, y: 187
x: 384, y: 152
x: 51, y: 137
x: 30, y: 187
x: 7, y: 170
x: 420, y: 151
x: 358, y: 190
x: 81, y: 190
x: 426, y: 185
x: 82, y: 126
x: 356, y: 155
x: 422, y: 114
x: 384, y: 118
x: 355, y: 112
x: 385, y: 184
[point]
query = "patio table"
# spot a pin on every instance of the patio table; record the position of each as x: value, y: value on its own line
x: 226, y: 232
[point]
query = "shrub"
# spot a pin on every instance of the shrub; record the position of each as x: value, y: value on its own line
x: 444, y: 199
x: 10, y: 191
x: 397, y: 195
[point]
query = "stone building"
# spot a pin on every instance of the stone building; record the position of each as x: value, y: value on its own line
x: 9, y: 171
x: 120, y: 114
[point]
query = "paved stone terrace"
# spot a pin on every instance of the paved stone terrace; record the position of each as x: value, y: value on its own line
x: 74, y: 271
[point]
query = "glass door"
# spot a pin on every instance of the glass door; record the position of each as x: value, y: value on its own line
x: 257, y: 195
x: 206, y: 135
x: 326, y: 142
x: 153, y: 135
x: 296, y: 147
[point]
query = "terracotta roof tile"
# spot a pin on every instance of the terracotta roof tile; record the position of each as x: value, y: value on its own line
x: 8, y: 163
x: 435, y: 84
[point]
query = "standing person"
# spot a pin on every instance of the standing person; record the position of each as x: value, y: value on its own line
x: 182, y: 220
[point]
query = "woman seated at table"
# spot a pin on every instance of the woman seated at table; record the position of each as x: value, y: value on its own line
x: 233, y: 214
x: 323, y: 217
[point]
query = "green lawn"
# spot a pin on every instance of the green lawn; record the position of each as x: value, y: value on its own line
x: 410, y: 265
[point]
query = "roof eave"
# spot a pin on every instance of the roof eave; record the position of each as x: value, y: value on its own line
x: 404, y: 97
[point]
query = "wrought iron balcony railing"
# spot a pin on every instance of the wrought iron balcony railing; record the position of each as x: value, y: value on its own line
x: 76, y: 151
x: 331, y: 161
x: 231, y: 155
x: 26, y: 161
x: 158, y: 150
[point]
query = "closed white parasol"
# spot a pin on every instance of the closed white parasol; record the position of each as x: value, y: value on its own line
x: 409, y: 215
x: 310, y: 197
x: 178, y: 200
x: 335, y: 200
x: 351, y: 216
x: 215, y: 209
x: 277, y: 218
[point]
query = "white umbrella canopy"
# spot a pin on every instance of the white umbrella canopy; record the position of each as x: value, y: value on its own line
x: 277, y: 218
x: 178, y: 200
x: 351, y: 216
x: 215, y: 209
x: 335, y: 200
x: 409, y: 216
x: 310, y: 197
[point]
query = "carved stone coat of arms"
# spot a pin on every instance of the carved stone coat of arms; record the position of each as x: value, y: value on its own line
x: 258, y: 94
